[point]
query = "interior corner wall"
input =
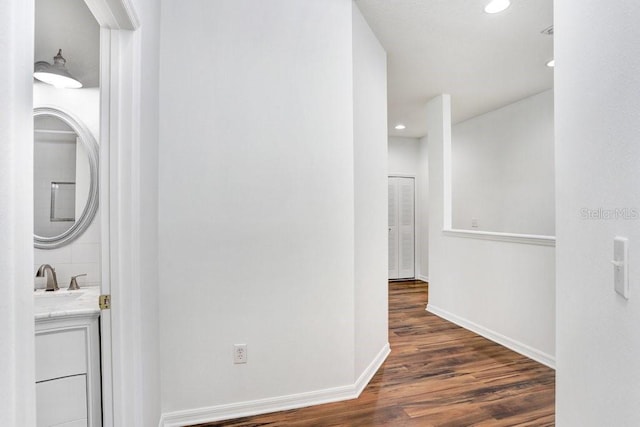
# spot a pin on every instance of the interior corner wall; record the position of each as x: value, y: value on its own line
x: 409, y: 157
x: 502, y: 172
x: 17, y: 371
x: 256, y: 208
x: 597, y: 109
x: 504, y: 291
x: 370, y: 181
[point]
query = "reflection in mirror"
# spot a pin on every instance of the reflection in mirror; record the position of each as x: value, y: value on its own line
x: 63, y: 202
x: 65, y: 178
x: 502, y: 169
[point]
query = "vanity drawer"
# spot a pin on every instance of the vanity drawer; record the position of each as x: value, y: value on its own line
x: 62, y: 402
x: 60, y: 353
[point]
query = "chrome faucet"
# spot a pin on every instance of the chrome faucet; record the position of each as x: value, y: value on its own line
x: 52, y: 280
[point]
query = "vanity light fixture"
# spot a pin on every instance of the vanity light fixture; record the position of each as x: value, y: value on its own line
x: 400, y: 126
x: 497, y: 6
x: 55, y: 74
x: 551, y: 63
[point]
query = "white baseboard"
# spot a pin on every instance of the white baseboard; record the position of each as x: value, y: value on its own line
x: 281, y: 403
x: 371, y: 370
x: 423, y: 278
x: 518, y: 347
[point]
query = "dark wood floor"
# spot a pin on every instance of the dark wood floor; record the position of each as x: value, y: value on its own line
x: 437, y: 374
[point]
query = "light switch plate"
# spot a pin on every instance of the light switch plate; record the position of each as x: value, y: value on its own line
x: 621, y: 266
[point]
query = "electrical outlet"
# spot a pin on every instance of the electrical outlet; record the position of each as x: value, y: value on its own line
x: 474, y: 222
x: 239, y: 353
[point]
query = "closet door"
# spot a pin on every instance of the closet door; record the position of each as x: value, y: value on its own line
x: 401, y: 228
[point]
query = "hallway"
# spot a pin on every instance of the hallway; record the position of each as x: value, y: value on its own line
x: 437, y: 374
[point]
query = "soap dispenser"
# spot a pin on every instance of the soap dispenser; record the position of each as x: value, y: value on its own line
x: 73, y: 286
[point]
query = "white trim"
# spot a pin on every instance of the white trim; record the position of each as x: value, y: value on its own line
x: 423, y: 278
x: 114, y: 14
x: 128, y: 402
x: 529, y: 239
x: 282, y: 403
x: 105, y: 211
x: 518, y: 347
x: 119, y: 101
x: 371, y: 370
x: 402, y: 175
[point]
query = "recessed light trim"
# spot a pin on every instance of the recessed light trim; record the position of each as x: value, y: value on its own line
x: 497, y: 6
x: 400, y: 126
x: 551, y: 63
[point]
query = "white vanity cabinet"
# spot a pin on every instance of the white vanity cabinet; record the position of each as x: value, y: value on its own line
x: 68, y: 371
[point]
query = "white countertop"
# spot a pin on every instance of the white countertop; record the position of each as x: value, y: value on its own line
x: 65, y: 303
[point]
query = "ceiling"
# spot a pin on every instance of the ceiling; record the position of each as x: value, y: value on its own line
x: 452, y: 46
x: 70, y: 26
x: 433, y: 46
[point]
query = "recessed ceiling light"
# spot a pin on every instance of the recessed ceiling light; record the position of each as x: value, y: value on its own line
x: 551, y: 63
x: 400, y: 127
x: 496, y: 6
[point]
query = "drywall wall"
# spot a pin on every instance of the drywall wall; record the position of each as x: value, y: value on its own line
x: 370, y: 192
x: 503, y: 168
x: 409, y: 157
x: 83, y: 254
x: 422, y: 223
x: 403, y: 156
x: 597, y: 173
x: 262, y: 241
x: 17, y: 373
x: 502, y: 290
x: 256, y: 231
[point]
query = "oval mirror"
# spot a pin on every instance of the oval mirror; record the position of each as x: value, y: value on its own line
x: 65, y: 177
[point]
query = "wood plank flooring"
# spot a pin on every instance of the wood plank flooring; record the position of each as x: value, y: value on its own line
x: 437, y: 374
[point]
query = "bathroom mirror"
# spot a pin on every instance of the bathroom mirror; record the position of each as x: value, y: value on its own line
x: 65, y: 181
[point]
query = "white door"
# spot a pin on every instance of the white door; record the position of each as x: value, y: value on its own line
x: 401, y: 228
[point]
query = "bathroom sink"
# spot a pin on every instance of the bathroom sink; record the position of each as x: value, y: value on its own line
x: 52, y: 301
x: 64, y: 302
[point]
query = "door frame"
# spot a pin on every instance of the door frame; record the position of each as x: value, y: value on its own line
x: 416, y: 223
x: 119, y: 137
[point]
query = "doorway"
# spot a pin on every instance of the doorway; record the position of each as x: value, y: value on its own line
x: 401, y: 227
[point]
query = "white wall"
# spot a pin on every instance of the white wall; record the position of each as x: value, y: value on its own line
x: 423, y: 199
x: 597, y: 155
x: 502, y: 169
x: 409, y: 157
x: 17, y: 376
x: 256, y: 208
x: 83, y: 254
x: 370, y: 178
x: 403, y: 156
x: 502, y: 290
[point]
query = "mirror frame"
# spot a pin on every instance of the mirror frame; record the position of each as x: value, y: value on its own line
x: 91, y: 207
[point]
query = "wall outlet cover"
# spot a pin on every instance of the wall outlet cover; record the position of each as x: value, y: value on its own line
x: 239, y: 353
